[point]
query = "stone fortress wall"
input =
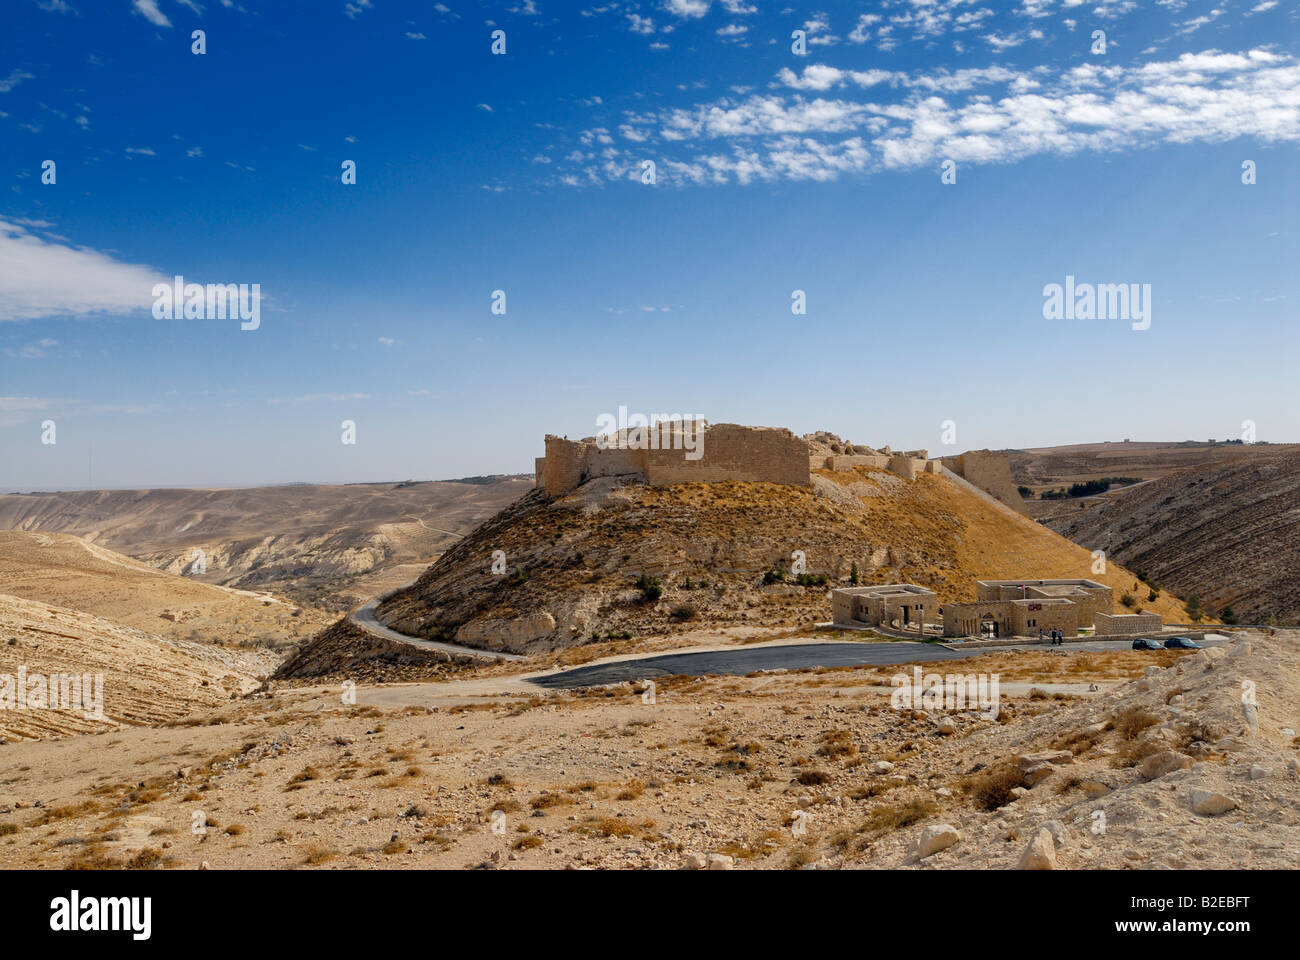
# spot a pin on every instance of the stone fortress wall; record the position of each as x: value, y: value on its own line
x: 990, y: 472
x: 723, y: 451
x: 1128, y: 624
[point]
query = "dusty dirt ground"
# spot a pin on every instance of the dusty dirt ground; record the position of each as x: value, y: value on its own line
x: 1175, y: 761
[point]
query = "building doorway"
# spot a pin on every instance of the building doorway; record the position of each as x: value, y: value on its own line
x: 988, y: 626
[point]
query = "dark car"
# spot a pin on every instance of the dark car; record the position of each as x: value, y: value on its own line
x: 1146, y: 643
x: 1182, y: 643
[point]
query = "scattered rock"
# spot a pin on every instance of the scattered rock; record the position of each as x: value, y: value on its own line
x: 1040, y: 854
x: 1038, y: 773
x: 1157, y: 765
x: 1211, y: 804
x: 1060, y: 833
x: 1058, y: 757
x: 934, y: 838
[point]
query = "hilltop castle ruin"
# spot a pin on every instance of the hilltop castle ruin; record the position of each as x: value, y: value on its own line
x: 694, y: 451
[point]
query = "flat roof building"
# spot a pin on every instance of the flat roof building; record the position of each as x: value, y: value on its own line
x: 888, y: 604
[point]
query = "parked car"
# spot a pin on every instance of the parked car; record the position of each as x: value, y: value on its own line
x: 1182, y: 643
x: 1146, y: 643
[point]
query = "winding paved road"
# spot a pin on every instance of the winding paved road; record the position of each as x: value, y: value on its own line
x: 749, y: 659
x: 364, y: 617
x: 844, y: 653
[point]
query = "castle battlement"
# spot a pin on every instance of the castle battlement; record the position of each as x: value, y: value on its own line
x: 677, y: 452
x: 696, y: 451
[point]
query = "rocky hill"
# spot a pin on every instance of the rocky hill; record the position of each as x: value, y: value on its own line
x: 146, y: 679
x: 324, y: 545
x: 67, y: 571
x: 1228, y: 533
x: 616, y: 558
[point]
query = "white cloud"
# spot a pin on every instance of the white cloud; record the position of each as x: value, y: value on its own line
x: 149, y: 10
x: 40, y: 279
x: 32, y: 351
x: 865, y: 121
x: 317, y: 398
x: 15, y: 77
x: 687, y: 9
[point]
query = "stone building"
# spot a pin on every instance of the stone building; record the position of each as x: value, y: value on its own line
x: 884, y: 604
x: 1021, y: 608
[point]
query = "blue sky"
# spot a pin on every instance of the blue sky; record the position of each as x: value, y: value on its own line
x: 523, y: 172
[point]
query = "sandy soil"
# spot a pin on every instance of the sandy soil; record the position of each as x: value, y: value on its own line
x: 813, y: 769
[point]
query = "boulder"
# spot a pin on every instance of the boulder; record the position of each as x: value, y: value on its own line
x: 1210, y: 804
x: 1028, y: 760
x: 1037, y: 774
x: 1040, y: 854
x: 1158, y: 764
x: 934, y: 838
x: 511, y: 635
x: 1060, y: 833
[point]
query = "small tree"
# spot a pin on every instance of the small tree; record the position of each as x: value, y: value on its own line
x: 853, y: 573
x: 651, y: 588
x: 1227, y: 615
x: 1194, y: 608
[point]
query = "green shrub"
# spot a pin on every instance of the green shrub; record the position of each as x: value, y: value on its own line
x: 651, y: 588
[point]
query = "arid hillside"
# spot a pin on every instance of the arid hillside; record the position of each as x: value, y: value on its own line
x: 1115, y: 761
x: 1228, y: 533
x: 323, y: 545
x: 147, y: 679
x: 67, y: 571
x: 1070, y: 463
x: 720, y: 554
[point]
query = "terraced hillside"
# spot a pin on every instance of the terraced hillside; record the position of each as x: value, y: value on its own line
x: 572, y: 565
x: 324, y: 545
x: 146, y: 679
x: 1228, y: 533
x: 67, y: 571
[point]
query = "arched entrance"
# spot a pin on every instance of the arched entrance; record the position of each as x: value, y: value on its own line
x: 988, y: 626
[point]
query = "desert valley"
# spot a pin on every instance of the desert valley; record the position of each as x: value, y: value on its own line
x: 631, y: 669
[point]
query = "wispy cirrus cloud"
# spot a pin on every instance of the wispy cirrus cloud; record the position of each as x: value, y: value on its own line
x: 317, y: 398
x: 40, y: 278
x: 149, y: 10
x: 14, y: 78
x: 869, y: 120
